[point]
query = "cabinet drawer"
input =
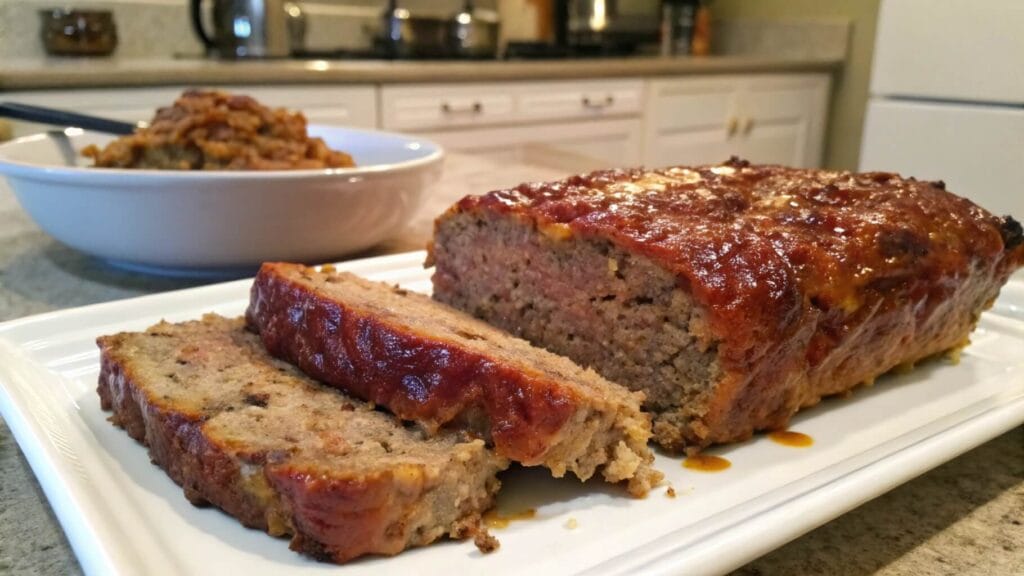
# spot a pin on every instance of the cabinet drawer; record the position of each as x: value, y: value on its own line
x: 584, y: 99
x: 128, y: 104
x: 418, y: 108
x: 354, y: 106
x: 439, y: 106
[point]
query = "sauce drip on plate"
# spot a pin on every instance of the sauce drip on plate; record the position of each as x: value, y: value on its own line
x: 706, y: 463
x: 789, y: 438
x: 494, y: 519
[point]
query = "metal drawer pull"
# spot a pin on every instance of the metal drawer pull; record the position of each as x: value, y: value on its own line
x: 599, y: 105
x: 475, y: 108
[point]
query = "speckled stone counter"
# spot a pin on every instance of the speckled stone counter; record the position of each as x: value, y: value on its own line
x: 965, y: 517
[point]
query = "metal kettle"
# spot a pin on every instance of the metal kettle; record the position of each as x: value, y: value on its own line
x: 251, y: 28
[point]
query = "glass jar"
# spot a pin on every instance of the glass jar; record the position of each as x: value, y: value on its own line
x: 69, y: 32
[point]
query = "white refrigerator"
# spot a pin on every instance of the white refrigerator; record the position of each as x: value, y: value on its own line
x: 947, y: 98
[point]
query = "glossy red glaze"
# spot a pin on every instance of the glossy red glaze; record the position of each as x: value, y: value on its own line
x: 416, y: 376
x: 809, y: 281
x: 331, y: 516
x: 338, y: 519
x: 768, y: 249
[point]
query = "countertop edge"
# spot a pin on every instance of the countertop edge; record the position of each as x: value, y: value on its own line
x: 137, y: 73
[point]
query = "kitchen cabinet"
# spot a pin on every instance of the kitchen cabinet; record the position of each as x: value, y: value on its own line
x: 762, y: 118
x: 420, y: 107
x: 354, y: 106
x: 589, y: 123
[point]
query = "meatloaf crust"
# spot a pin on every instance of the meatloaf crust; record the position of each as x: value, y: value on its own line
x: 437, y: 366
x: 254, y: 437
x: 731, y: 294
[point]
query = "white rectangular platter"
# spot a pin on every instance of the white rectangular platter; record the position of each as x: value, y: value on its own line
x: 122, y: 515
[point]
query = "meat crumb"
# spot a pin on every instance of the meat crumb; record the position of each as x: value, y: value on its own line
x: 485, y: 542
x: 671, y: 492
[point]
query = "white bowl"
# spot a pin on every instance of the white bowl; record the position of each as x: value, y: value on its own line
x: 206, y: 222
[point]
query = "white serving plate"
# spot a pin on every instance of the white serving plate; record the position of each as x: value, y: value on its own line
x: 213, y: 223
x: 123, y: 515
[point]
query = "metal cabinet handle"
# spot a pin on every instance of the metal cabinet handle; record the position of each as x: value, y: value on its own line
x: 732, y: 125
x: 475, y: 108
x: 600, y: 104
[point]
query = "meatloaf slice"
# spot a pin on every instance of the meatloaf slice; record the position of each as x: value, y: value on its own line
x: 254, y: 437
x: 429, y: 363
x: 732, y: 295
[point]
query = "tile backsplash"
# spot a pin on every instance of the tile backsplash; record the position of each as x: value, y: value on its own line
x: 145, y: 28
x: 161, y: 28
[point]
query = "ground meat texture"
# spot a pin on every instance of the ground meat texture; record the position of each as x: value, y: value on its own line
x: 442, y: 368
x: 732, y: 295
x: 485, y: 542
x: 251, y: 435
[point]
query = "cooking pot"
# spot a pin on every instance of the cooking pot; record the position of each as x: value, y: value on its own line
x: 468, y: 34
x: 473, y: 34
x: 251, y: 28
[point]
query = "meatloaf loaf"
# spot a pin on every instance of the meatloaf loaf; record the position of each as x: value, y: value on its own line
x: 252, y: 436
x: 427, y: 362
x: 732, y: 294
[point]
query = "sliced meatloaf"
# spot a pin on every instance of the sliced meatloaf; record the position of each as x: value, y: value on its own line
x: 732, y: 295
x: 432, y: 364
x: 254, y: 437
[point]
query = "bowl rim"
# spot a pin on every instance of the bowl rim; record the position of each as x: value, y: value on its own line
x: 16, y: 168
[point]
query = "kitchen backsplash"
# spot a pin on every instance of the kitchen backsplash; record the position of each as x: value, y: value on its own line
x: 146, y: 28
x: 161, y: 28
x: 155, y: 29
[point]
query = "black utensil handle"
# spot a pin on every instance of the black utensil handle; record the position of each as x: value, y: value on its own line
x: 64, y: 118
x: 197, y: 24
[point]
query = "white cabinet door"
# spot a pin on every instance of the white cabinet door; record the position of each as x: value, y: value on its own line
x: 781, y: 119
x: 763, y: 118
x: 779, y: 143
x: 573, y: 146
x: 689, y: 147
x: 690, y: 121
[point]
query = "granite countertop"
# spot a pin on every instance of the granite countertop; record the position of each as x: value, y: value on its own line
x: 27, y: 74
x: 965, y: 517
